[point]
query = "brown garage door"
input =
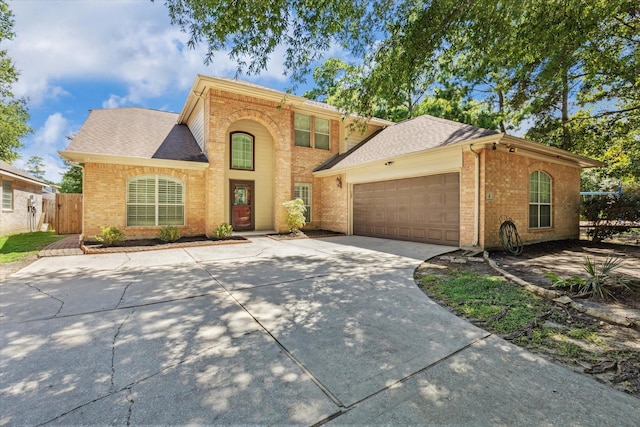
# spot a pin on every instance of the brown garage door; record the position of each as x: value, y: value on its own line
x: 423, y: 209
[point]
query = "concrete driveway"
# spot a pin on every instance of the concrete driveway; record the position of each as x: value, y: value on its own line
x: 270, y: 332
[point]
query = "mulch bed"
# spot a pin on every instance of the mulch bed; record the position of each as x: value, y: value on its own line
x: 140, y: 245
x: 566, y: 258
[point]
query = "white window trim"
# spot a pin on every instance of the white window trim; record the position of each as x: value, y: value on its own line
x: 328, y: 134
x: 538, y: 204
x: 312, y: 131
x: 156, y: 204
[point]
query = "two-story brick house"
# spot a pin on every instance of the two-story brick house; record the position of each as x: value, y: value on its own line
x: 237, y: 151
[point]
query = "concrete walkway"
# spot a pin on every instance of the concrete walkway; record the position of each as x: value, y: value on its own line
x: 273, y: 332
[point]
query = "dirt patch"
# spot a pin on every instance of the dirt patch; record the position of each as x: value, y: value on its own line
x: 9, y: 268
x: 605, y: 352
x: 139, y: 245
x: 566, y: 258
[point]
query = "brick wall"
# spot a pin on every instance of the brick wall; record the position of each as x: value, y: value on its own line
x: 334, y: 203
x: 291, y: 164
x: 505, y: 194
x: 467, y: 199
x: 105, y: 204
x: 18, y: 219
x: 304, y: 160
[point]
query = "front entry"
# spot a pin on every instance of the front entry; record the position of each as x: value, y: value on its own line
x: 242, y: 198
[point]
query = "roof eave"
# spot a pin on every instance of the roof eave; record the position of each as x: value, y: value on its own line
x: 22, y: 178
x: 557, y: 153
x: 81, y: 157
x: 482, y: 140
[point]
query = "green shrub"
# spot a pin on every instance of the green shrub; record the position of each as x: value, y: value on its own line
x: 295, y: 214
x: 223, y: 231
x: 111, y: 236
x: 169, y: 234
x: 600, y: 281
x: 611, y: 215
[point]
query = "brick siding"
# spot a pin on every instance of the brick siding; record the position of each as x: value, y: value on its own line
x: 105, y: 204
x: 506, y: 177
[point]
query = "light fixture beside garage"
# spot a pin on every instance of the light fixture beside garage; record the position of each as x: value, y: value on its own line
x: 339, y: 182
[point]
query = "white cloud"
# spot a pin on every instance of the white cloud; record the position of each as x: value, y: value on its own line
x: 53, y: 130
x: 115, y: 101
x: 129, y: 42
x: 45, y: 143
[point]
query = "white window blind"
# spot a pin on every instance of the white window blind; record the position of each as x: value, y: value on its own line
x: 154, y: 200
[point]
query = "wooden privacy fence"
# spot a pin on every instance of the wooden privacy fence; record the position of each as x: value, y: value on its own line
x: 69, y: 215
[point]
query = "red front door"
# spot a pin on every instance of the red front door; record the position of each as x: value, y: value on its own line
x: 242, y: 205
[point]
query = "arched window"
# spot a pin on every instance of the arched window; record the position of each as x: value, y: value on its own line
x: 155, y: 200
x: 242, y: 156
x: 539, y: 200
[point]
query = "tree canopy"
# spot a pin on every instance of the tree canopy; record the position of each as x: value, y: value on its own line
x: 569, y: 68
x: 71, y: 179
x: 35, y: 166
x: 13, y: 111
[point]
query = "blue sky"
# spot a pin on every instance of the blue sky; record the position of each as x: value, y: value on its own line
x: 77, y: 55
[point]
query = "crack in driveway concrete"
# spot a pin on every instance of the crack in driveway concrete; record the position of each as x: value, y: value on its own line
x: 50, y: 296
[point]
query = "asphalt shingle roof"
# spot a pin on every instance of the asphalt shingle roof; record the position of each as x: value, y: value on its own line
x: 6, y: 167
x: 414, y: 135
x: 136, y: 132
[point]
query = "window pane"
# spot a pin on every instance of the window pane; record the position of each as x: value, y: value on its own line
x: 533, y: 216
x: 533, y: 190
x: 303, y: 138
x: 302, y: 122
x: 171, y: 215
x: 138, y: 215
x: 322, y: 141
x: 141, y: 191
x: 545, y: 216
x: 169, y: 191
x: 7, y: 195
x: 322, y: 126
x: 241, y: 151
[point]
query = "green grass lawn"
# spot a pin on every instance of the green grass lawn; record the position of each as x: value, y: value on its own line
x: 19, y: 246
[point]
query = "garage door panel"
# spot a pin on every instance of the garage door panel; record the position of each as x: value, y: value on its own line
x: 423, y: 209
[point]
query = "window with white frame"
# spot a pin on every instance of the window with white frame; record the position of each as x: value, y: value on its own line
x: 302, y: 129
x: 7, y: 195
x: 311, y: 131
x: 321, y: 134
x: 303, y: 191
x: 539, y: 200
x: 242, y: 148
x: 155, y: 200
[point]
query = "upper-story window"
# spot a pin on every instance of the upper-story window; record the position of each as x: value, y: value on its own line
x: 242, y: 151
x: 311, y: 131
x: 539, y: 200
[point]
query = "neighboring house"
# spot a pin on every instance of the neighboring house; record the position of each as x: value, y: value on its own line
x: 237, y: 151
x: 21, y: 200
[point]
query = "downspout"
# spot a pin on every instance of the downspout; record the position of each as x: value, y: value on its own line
x: 476, y: 204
